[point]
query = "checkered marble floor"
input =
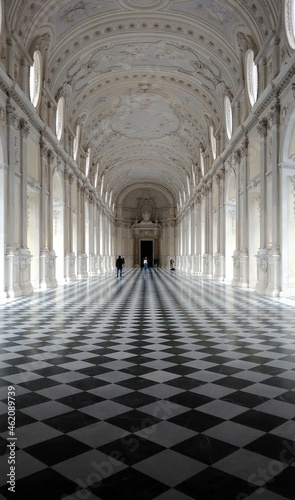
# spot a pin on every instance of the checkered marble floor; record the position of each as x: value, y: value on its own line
x: 156, y: 385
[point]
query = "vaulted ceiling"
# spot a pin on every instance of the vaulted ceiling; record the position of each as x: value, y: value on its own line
x: 144, y: 78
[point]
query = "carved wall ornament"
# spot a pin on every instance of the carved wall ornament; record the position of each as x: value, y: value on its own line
x: 2, y: 114
x: 245, y: 42
x: 16, y: 154
x: 263, y: 263
x: 43, y: 42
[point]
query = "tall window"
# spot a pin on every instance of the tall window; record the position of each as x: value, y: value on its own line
x: 228, y: 117
x: 88, y: 160
x: 96, y: 176
x: 251, y: 77
x: 35, y: 78
x: 60, y: 112
x: 188, y: 185
x: 202, y: 163
x: 77, y: 142
x: 212, y: 142
x: 290, y: 21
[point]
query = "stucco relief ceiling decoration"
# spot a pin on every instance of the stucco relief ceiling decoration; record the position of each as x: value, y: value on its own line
x: 144, y: 116
x: 143, y: 78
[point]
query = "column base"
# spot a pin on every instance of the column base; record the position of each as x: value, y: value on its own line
x: 219, y: 267
x: 70, y: 262
x: 236, y: 264
x: 262, y: 271
x: 273, y: 288
x: 207, y: 266
x: 47, y: 269
x: 82, y: 266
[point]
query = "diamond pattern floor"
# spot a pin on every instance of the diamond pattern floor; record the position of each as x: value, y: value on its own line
x: 153, y: 386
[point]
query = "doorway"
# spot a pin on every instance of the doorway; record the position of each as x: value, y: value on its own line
x: 146, y: 250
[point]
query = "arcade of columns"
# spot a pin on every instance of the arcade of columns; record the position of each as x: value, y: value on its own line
x: 236, y: 225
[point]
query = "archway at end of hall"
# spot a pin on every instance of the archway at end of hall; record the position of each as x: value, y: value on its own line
x: 147, y: 250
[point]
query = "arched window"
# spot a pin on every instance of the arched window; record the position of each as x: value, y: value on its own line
x: 251, y: 77
x: 193, y: 175
x: 101, y: 186
x: 228, y: 117
x: 212, y: 142
x: 77, y: 142
x: 60, y: 115
x: 202, y: 163
x: 35, y: 78
x: 88, y: 160
x: 96, y: 176
x: 188, y: 185
x: 290, y: 22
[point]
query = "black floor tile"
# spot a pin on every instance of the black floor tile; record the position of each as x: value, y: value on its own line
x: 57, y: 450
x: 196, y: 420
x: 212, y: 484
x: 52, y: 485
x: 129, y: 484
x: 131, y: 449
x: 259, y: 420
x: 205, y: 449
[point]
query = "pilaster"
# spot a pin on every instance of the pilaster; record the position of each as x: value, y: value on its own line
x: 262, y: 253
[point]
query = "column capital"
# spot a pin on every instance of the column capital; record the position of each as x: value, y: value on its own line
x: 244, y: 147
x: 262, y: 127
x: 237, y: 155
x: 12, y: 116
x: 2, y: 114
x: 274, y: 114
x: 24, y: 127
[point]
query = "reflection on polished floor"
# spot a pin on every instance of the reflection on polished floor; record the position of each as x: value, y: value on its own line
x: 156, y: 385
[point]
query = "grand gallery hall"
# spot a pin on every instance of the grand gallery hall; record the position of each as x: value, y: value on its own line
x: 161, y: 130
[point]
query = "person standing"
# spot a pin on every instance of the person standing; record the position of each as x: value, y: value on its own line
x: 119, y: 265
x: 145, y: 263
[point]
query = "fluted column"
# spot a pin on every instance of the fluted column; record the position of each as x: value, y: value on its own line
x: 274, y: 284
x: 82, y: 257
x: 70, y: 257
x: 243, y: 214
x: 3, y: 176
x: 52, y: 159
x: 91, y: 235
x: 199, y: 236
x: 210, y: 239
x: 222, y: 235
x: 236, y: 256
x: 217, y: 253
x: 12, y: 249
x: 25, y: 254
x: 207, y: 258
x: 262, y: 253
